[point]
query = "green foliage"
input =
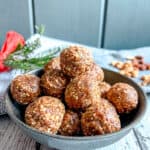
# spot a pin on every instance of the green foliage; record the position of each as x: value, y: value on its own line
x: 20, y: 59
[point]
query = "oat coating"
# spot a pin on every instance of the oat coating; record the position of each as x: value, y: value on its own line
x: 96, y: 72
x: 104, y: 88
x: 100, y: 119
x: 70, y: 124
x: 53, y: 83
x: 82, y: 92
x: 45, y: 114
x: 54, y: 63
x: 123, y: 96
x: 25, y: 88
x: 75, y: 60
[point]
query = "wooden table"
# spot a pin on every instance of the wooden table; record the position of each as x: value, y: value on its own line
x: 12, y: 138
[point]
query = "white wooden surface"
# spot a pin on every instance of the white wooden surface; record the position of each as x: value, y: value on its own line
x: 14, y: 15
x: 142, y: 132
x: 71, y: 20
x: 12, y: 138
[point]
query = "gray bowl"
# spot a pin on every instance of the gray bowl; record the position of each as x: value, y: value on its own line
x: 16, y: 112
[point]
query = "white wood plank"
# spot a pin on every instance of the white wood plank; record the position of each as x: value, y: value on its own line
x: 143, y: 131
x: 72, y: 20
x: 127, y: 24
x: 14, y: 15
x: 129, y: 142
x: 12, y: 138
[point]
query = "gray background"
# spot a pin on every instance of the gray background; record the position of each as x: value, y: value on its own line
x: 112, y: 24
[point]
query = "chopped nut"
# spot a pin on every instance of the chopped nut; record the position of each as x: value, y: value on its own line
x: 145, y: 80
x: 148, y: 66
x: 127, y: 64
x: 135, y: 73
x: 122, y: 72
x: 142, y: 66
x: 138, y: 57
x: 113, y: 63
x: 119, y: 65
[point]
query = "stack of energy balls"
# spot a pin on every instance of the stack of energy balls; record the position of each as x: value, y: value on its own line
x: 71, y: 97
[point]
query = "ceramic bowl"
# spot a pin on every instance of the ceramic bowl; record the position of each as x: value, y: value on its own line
x: 128, y: 122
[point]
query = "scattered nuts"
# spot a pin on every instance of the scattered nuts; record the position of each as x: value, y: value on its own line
x: 138, y: 62
x: 126, y: 68
x: 131, y: 67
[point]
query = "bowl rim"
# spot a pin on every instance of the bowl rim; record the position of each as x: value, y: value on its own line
x: 130, y: 126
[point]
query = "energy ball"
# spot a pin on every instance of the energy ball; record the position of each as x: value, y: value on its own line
x: 100, y: 119
x: 54, y: 63
x: 104, y: 88
x: 75, y: 60
x: 70, y: 124
x: 45, y: 114
x: 82, y: 92
x: 25, y: 88
x: 53, y: 83
x: 96, y: 72
x: 123, y: 96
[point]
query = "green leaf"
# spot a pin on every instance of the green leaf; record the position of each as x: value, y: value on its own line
x: 31, y: 63
x: 40, y: 29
